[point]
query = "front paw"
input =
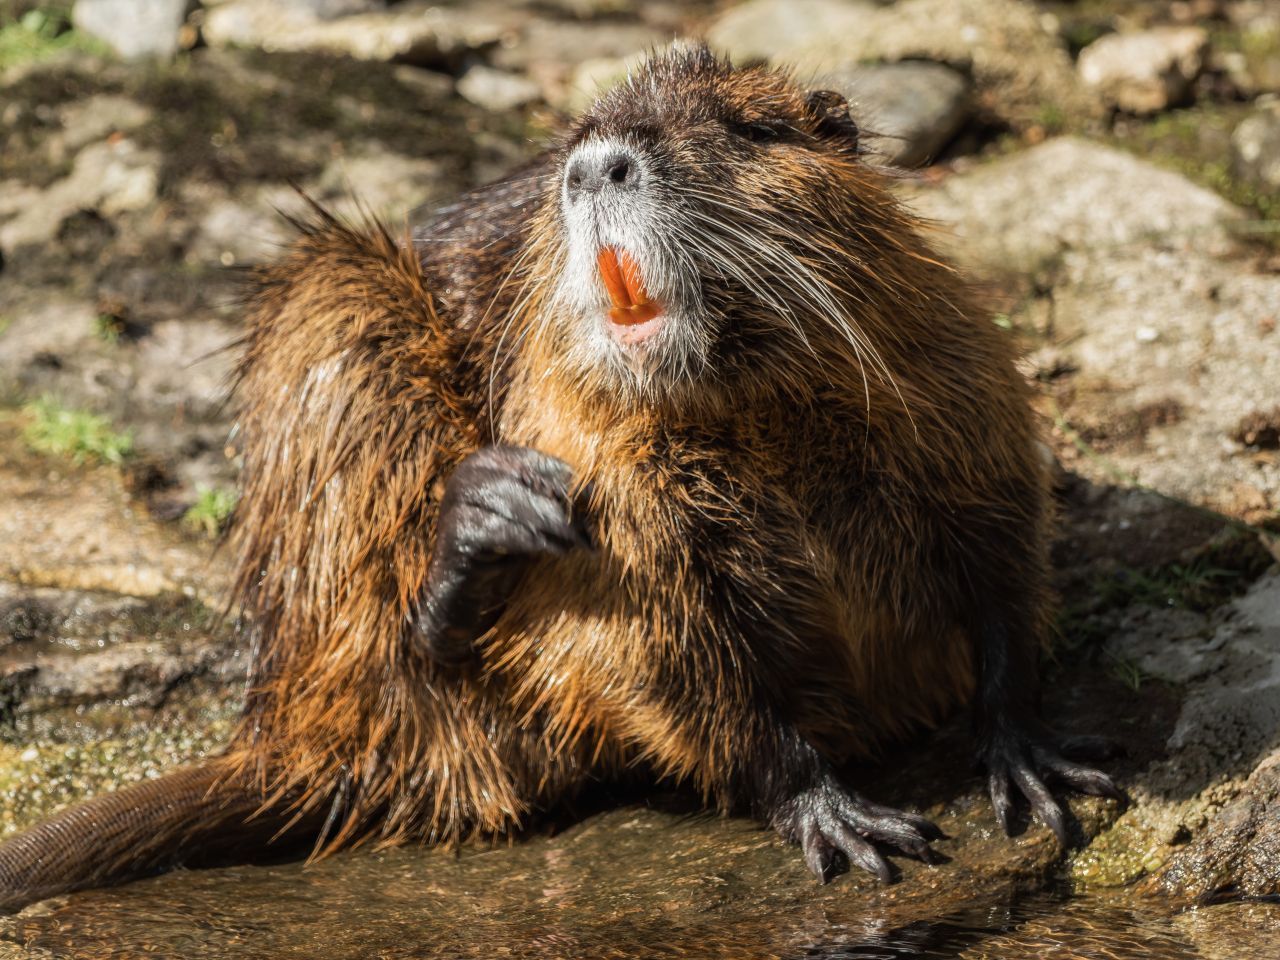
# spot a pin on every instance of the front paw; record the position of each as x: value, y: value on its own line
x: 1023, y: 760
x: 832, y: 824
x: 503, y: 506
x: 508, y: 502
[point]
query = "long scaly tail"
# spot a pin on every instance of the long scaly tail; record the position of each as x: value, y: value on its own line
x: 140, y: 830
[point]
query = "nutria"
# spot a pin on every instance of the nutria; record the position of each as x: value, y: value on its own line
x: 678, y: 447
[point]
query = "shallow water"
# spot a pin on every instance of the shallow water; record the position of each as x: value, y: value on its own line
x: 631, y: 883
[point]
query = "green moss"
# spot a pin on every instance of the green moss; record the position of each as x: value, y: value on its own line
x: 83, y: 437
x: 5, y: 324
x: 211, y: 511
x: 40, y: 34
x: 108, y: 328
x: 1196, y: 142
x: 1051, y: 118
x: 1119, y: 856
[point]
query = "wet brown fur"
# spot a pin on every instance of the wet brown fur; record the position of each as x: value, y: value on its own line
x: 801, y: 536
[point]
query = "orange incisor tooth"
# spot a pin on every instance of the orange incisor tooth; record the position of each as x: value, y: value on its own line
x: 607, y: 260
x: 633, y: 315
x: 621, y: 276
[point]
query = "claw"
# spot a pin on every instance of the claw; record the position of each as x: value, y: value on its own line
x: 998, y: 786
x: 1014, y: 760
x: 1042, y: 803
x: 1078, y: 777
x: 827, y: 821
x: 817, y: 852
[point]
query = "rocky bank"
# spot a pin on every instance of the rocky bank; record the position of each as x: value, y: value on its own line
x: 1107, y: 169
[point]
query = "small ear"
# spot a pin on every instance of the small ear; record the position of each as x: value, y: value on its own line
x: 831, y: 111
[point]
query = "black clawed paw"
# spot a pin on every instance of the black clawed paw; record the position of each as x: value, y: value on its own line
x: 502, y: 507
x: 1021, y: 763
x: 835, y: 827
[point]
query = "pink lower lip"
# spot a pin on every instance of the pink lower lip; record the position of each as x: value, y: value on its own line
x: 634, y: 334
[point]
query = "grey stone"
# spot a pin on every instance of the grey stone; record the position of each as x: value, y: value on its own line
x: 548, y: 47
x: 382, y: 182
x: 1145, y: 71
x: 1017, y: 61
x: 778, y: 29
x: 591, y: 9
x: 232, y: 232
x: 331, y: 9
x: 112, y: 177
x: 1150, y: 325
x: 431, y: 84
x: 1255, y: 147
x: 910, y: 109
x: 55, y: 325
x: 1228, y: 724
x: 411, y: 33
x: 96, y: 117
x: 133, y: 28
x: 1017, y: 213
x: 497, y: 90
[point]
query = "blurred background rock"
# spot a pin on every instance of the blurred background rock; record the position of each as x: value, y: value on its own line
x: 1109, y: 169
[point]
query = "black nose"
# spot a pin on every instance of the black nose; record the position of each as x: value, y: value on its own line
x: 592, y: 172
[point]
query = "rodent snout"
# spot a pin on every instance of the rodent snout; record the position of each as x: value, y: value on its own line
x: 602, y: 166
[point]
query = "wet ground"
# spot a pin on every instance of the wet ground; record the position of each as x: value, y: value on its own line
x: 632, y: 883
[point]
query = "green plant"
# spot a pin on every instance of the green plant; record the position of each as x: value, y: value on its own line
x: 84, y: 437
x: 1126, y: 672
x: 108, y: 328
x: 211, y: 511
x: 39, y: 34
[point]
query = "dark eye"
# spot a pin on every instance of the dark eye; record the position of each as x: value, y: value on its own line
x: 756, y: 131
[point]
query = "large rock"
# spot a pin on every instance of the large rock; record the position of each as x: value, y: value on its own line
x: 383, y: 182
x: 1015, y: 214
x: 1217, y: 752
x: 1255, y: 147
x: 591, y: 78
x: 907, y: 111
x: 133, y: 28
x: 497, y: 90
x: 1145, y: 71
x: 1020, y: 66
x: 416, y: 33
x: 778, y: 29
x: 547, y: 47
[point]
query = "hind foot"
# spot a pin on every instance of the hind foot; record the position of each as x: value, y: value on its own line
x: 837, y: 829
x: 1015, y: 760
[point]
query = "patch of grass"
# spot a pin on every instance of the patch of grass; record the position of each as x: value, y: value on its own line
x: 211, y: 511
x: 83, y: 437
x: 1126, y: 672
x: 39, y: 34
x: 108, y: 328
x: 5, y: 324
x: 1219, y: 573
x: 1198, y: 585
x: 1051, y: 118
